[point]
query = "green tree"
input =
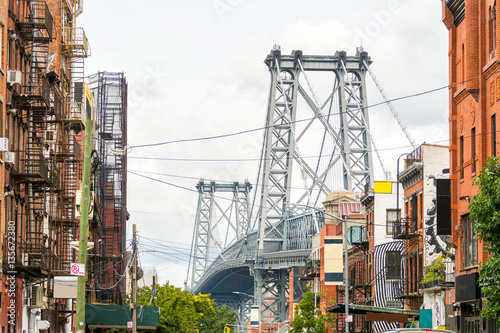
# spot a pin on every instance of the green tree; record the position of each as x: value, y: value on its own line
x: 214, y: 322
x: 306, y: 318
x: 180, y: 311
x: 485, y: 212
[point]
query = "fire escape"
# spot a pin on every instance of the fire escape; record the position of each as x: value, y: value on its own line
x: 110, y: 91
x: 409, y: 230
x: 75, y: 48
x: 360, y: 288
x: 35, y: 170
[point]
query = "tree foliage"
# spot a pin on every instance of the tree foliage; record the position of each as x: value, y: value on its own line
x: 485, y: 212
x: 180, y: 311
x: 306, y: 318
x: 215, y: 322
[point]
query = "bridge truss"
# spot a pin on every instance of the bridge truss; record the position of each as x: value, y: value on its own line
x: 276, y: 241
x: 348, y: 130
x: 213, y: 211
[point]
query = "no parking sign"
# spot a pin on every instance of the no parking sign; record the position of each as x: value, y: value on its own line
x: 77, y: 269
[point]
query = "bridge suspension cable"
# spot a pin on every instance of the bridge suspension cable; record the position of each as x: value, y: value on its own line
x: 391, y: 106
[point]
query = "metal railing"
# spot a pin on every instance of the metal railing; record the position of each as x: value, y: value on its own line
x: 356, y: 235
x: 75, y: 41
x: 405, y: 228
x: 38, y: 22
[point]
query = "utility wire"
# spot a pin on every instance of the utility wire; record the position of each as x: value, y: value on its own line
x: 308, y: 119
x: 294, y: 122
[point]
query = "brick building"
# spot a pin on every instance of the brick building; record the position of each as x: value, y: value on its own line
x: 425, y: 244
x: 474, y: 51
x: 43, y: 53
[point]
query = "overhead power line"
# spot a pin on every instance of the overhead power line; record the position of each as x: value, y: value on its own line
x: 309, y: 119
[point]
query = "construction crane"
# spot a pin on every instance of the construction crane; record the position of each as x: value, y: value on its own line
x: 391, y: 107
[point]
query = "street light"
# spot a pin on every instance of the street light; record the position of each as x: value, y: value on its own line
x: 346, y: 258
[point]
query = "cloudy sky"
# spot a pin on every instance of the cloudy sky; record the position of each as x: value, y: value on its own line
x: 195, y: 69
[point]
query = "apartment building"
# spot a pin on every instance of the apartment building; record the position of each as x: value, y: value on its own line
x: 44, y: 103
x: 426, y: 239
x: 474, y: 51
x: 383, y: 254
x: 44, y: 55
x: 108, y: 266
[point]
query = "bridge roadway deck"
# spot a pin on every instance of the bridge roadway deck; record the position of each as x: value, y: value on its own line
x: 231, y: 271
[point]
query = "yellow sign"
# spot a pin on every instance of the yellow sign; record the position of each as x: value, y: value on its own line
x: 383, y: 187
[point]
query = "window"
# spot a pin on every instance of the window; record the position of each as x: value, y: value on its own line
x: 473, y: 148
x: 469, y: 243
x: 393, y: 264
x: 1, y: 43
x: 463, y: 64
x: 494, y: 135
x: 392, y: 216
x: 461, y: 157
x: 421, y: 199
x: 492, y: 27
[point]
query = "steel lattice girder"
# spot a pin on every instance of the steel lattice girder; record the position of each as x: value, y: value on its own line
x: 206, y: 220
x: 351, y: 139
x: 271, y: 290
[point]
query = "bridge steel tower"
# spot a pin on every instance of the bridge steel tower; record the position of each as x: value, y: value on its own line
x: 215, y: 213
x: 351, y: 155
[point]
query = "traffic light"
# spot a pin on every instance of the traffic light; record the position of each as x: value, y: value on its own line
x: 227, y: 329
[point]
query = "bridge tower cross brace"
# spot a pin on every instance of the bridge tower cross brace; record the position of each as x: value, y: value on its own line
x: 352, y: 142
x: 233, y: 215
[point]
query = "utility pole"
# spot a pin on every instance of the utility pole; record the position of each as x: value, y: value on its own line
x: 134, y: 280
x: 84, y: 226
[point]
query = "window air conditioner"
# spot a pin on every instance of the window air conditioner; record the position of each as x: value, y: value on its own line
x: 10, y: 157
x: 14, y: 77
x: 50, y: 136
x: 36, y: 297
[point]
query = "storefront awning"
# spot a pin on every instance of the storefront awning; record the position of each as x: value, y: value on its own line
x: 117, y: 316
x: 375, y: 313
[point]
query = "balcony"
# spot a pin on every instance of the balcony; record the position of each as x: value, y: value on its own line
x: 408, y: 288
x: 440, y: 274
x: 34, y: 170
x: 34, y: 88
x: 311, y: 270
x: 356, y: 235
x: 405, y: 229
x: 36, y: 24
x: 75, y: 42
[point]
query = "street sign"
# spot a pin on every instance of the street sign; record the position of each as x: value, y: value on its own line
x: 129, y: 324
x: 348, y: 319
x: 77, y: 269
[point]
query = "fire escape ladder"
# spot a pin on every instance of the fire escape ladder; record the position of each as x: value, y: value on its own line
x: 109, y: 90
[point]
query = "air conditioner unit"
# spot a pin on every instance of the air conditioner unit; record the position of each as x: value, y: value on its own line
x: 10, y: 157
x: 12, y: 111
x: 14, y: 77
x: 78, y: 201
x: 50, y: 136
x: 36, y: 297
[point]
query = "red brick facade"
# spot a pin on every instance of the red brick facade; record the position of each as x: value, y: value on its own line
x: 474, y: 47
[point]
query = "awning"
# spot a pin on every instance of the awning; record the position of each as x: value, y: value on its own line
x: 117, y: 316
x: 375, y: 313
